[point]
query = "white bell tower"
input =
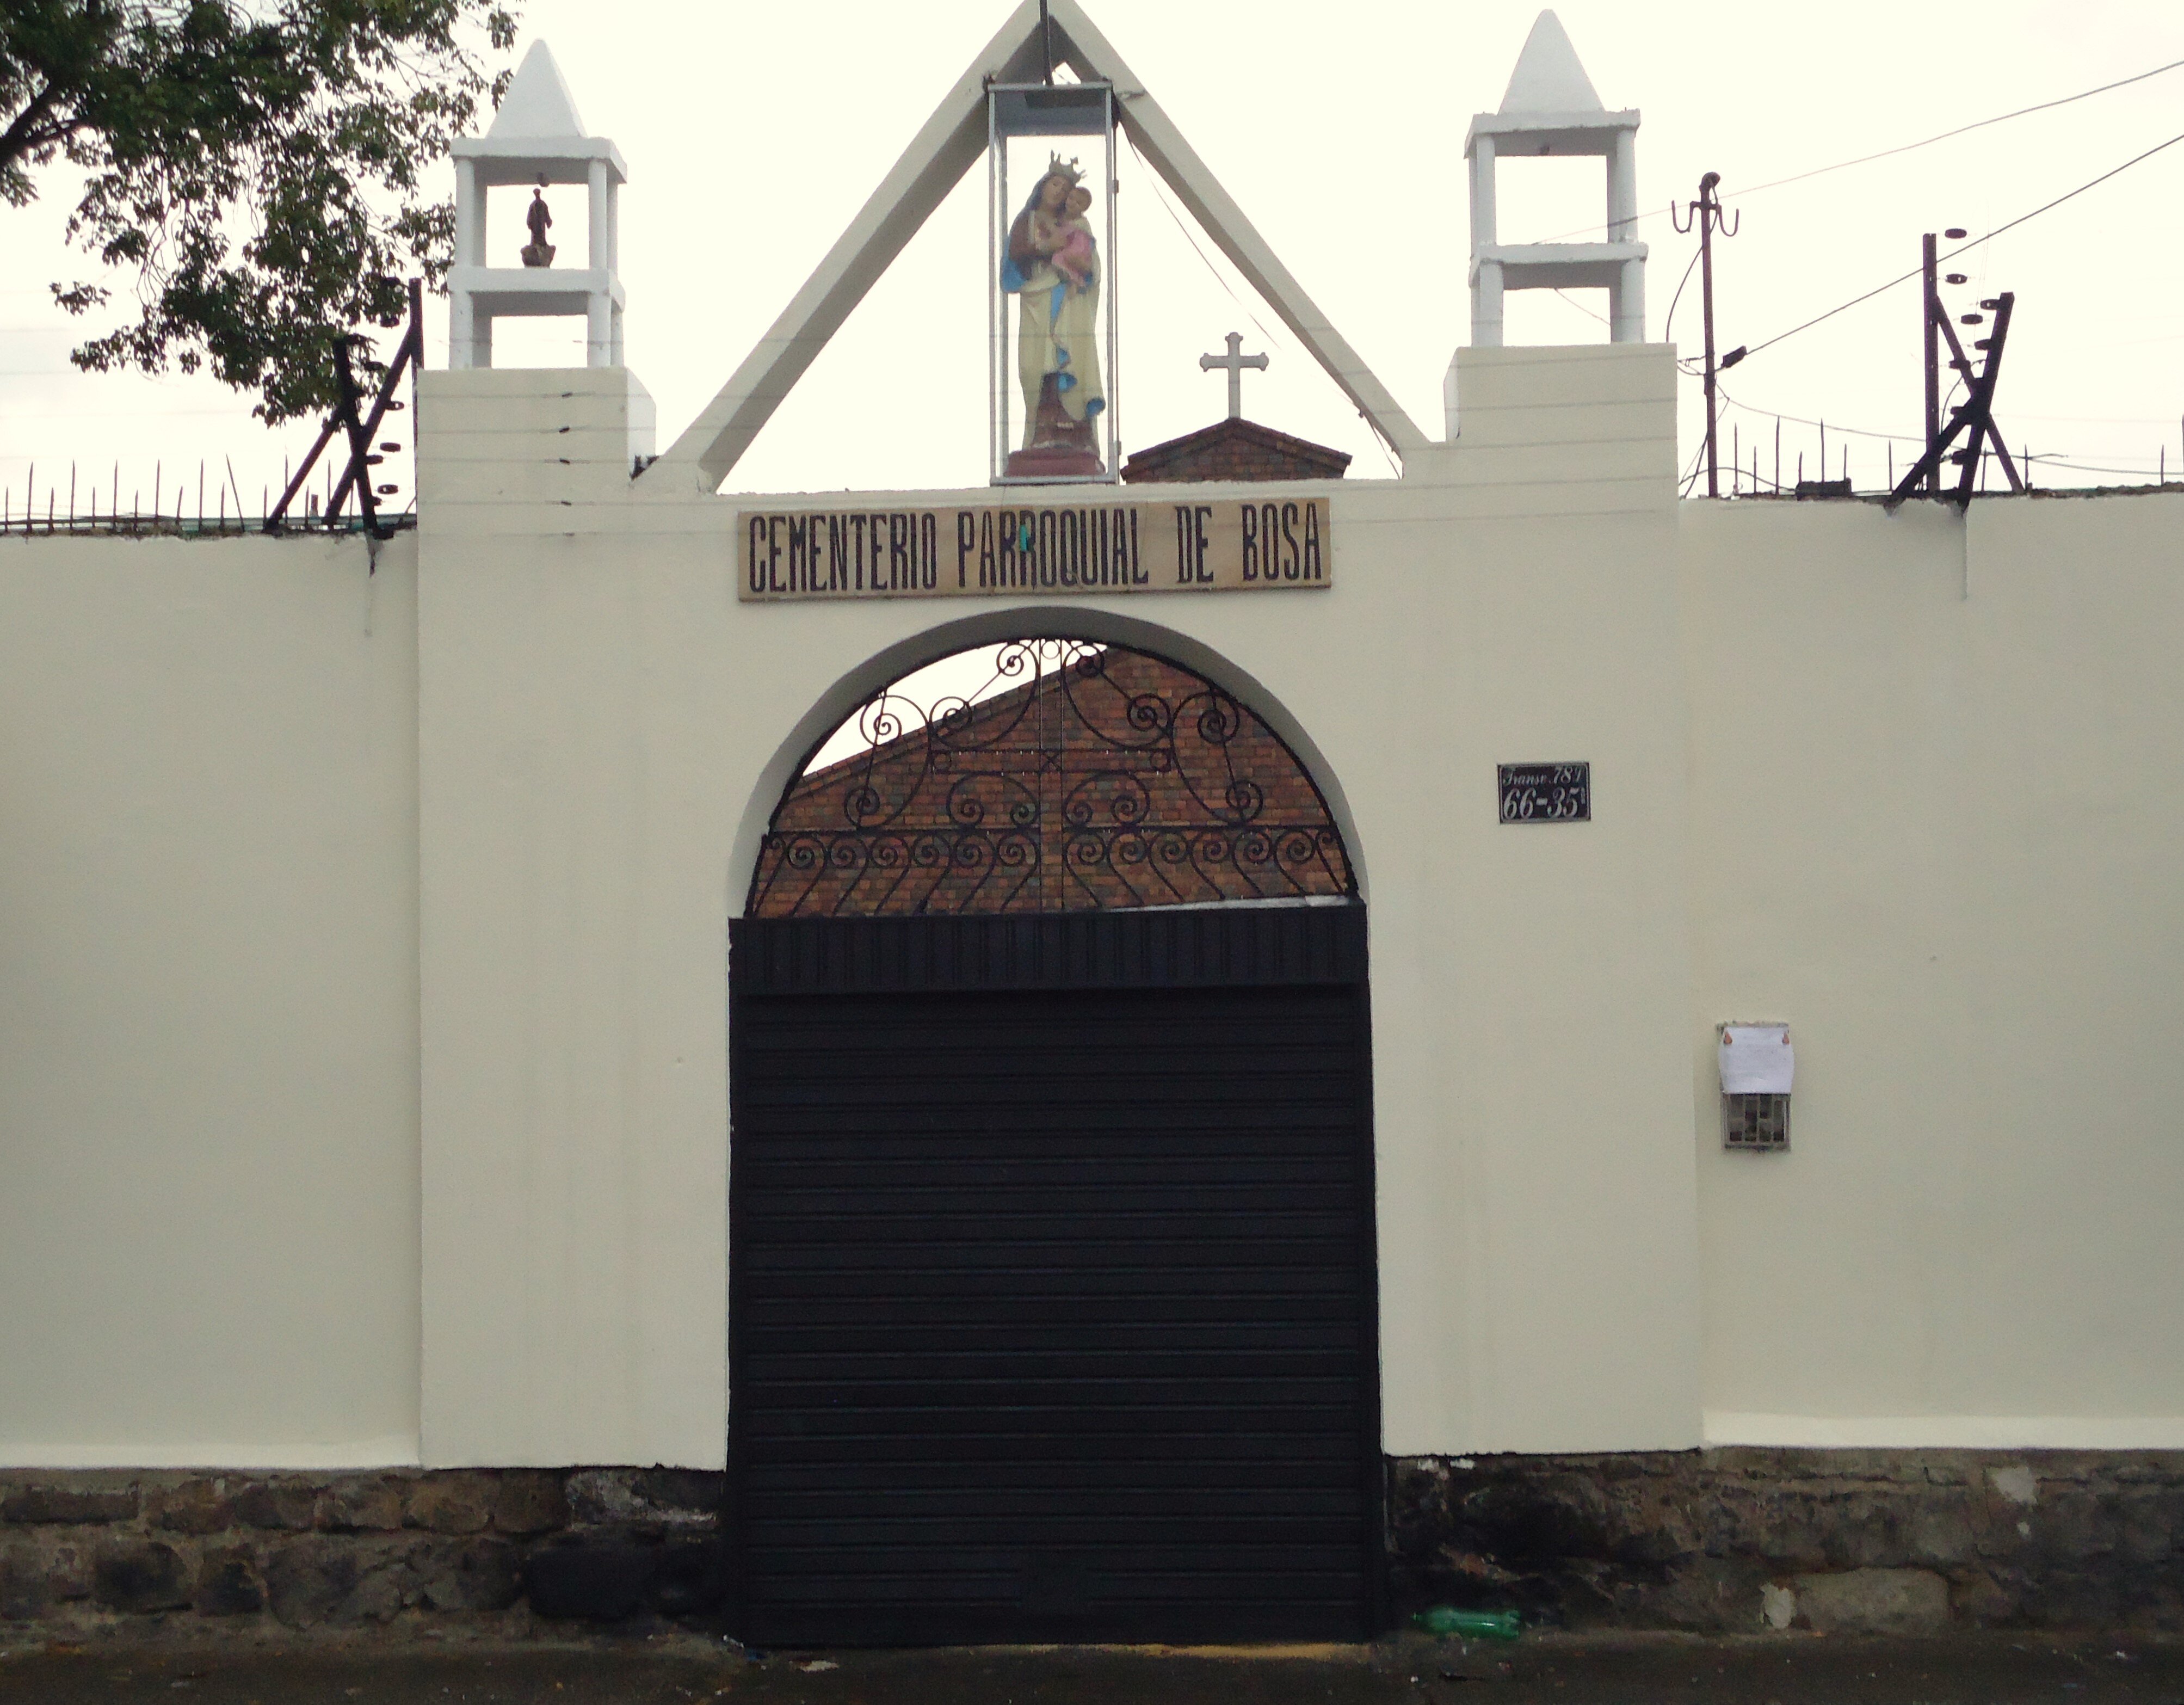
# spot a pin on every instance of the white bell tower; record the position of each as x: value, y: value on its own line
x: 1550, y: 109
x: 536, y: 139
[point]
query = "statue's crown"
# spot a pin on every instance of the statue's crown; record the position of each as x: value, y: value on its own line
x: 1057, y: 167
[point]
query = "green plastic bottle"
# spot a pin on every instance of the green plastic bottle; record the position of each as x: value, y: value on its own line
x: 1445, y: 1620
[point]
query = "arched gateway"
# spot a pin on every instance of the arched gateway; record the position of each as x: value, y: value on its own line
x: 1052, y: 1294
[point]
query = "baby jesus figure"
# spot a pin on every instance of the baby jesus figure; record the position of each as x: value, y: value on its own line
x: 1078, y: 259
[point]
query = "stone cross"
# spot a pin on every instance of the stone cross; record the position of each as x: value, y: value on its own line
x: 1235, y: 363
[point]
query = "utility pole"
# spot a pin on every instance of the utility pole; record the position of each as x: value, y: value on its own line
x: 1930, y: 317
x: 1706, y: 214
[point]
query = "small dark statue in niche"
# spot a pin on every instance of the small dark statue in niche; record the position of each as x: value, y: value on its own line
x: 537, y: 252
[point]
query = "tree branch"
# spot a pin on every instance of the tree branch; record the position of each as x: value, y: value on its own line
x: 22, y: 136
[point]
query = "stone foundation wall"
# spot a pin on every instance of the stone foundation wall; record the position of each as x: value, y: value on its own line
x: 83, y: 1550
x: 1729, y: 1540
x: 1746, y: 1539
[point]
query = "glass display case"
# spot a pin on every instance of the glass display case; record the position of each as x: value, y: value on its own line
x: 1050, y: 274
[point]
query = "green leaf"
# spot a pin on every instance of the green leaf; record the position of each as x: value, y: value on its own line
x: 259, y: 168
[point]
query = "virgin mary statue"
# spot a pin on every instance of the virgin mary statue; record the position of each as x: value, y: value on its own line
x: 1053, y: 267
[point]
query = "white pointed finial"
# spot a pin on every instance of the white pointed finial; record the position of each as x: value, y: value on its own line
x: 1548, y: 78
x: 539, y: 103
x: 537, y: 141
x: 1551, y: 109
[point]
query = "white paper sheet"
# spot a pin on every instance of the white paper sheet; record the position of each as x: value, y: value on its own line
x: 1756, y: 1060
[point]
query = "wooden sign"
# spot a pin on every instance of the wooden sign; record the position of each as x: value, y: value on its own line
x: 1545, y: 793
x: 1230, y: 545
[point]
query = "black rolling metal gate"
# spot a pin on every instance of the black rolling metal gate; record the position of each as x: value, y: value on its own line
x: 1052, y: 1279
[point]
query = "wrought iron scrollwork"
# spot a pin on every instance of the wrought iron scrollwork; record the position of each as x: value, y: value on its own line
x: 1079, y: 778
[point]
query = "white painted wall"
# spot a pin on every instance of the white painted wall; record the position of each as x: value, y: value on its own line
x: 363, y: 1073
x: 604, y: 730
x: 208, y: 1239
x: 1937, y: 819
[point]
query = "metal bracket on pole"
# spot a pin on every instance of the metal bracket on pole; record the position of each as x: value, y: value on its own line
x: 1973, y: 416
x: 410, y: 356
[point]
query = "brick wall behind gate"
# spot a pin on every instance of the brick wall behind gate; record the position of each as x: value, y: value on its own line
x: 1119, y: 817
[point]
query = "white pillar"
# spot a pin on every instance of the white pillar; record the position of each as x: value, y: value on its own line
x: 1483, y: 217
x: 616, y: 353
x: 469, y: 215
x: 598, y: 330
x: 1486, y: 304
x: 1627, y: 305
x: 1623, y: 187
x: 459, y: 327
x: 613, y: 226
x: 480, y: 340
x: 601, y: 249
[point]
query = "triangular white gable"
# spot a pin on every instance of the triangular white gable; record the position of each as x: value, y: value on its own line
x: 1548, y: 77
x: 952, y: 142
x: 537, y: 104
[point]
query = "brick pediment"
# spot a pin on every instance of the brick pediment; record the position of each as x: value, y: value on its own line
x: 1235, y: 449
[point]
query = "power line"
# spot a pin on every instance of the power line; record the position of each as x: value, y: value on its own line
x: 2045, y: 459
x: 1691, y: 475
x: 2099, y: 419
x: 1989, y: 236
x: 1909, y: 147
x: 1159, y: 194
x: 1800, y: 420
x: 1669, y: 324
x: 1961, y: 129
x: 2086, y: 467
x: 1379, y: 438
x: 1583, y: 310
x: 141, y: 413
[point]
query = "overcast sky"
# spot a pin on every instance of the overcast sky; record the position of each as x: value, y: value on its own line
x: 753, y: 134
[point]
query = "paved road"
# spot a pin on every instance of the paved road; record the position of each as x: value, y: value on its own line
x: 1966, y: 1670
